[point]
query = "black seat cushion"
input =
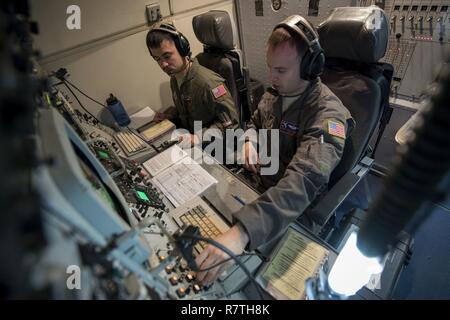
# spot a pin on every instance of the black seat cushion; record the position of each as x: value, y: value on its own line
x: 214, y: 29
x: 223, y: 66
x: 362, y: 97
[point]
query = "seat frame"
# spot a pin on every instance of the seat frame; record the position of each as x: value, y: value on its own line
x: 323, y: 211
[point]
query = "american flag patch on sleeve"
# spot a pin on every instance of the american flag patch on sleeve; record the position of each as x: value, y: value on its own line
x: 219, y: 91
x: 336, y: 129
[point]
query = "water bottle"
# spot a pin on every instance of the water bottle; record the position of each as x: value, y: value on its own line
x: 118, y: 111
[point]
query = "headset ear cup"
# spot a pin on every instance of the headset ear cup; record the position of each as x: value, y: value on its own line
x: 313, y: 65
x: 305, y: 67
x: 319, y: 64
x: 183, y: 46
x: 181, y: 43
x: 187, y: 47
x: 178, y: 45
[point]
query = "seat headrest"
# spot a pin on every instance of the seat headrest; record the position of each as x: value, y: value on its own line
x: 214, y: 29
x: 355, y: 33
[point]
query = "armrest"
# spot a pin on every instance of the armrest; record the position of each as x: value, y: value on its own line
x: 325, y: 208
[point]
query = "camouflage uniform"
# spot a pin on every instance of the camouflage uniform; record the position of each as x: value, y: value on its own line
x: 203, y: 96
x: 312, y: 137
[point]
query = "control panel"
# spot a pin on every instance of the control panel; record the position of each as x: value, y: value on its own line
x: 419, y: 40
x: 147, y: 203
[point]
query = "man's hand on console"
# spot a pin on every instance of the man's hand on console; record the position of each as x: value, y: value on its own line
x: 235, y: 239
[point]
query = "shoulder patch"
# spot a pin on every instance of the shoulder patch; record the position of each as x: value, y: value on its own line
x: 336, y: 129
x: 219, y: 91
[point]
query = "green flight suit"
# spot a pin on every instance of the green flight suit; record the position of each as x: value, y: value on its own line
x: 203, y: 96
x: 312, y: 134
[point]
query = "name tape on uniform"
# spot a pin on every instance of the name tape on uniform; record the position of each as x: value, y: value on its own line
x: 288, y: 128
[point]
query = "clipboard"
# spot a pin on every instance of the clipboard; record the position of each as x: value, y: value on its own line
x: 296, y: 258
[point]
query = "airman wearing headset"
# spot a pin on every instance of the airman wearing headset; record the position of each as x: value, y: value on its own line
x: 313, y: 125
x: 198, y: 93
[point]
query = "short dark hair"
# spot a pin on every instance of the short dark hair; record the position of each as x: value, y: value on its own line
x: 281, y: 35
x: 154, y: 38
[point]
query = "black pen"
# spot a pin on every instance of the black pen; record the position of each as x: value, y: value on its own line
x: 238, y: 199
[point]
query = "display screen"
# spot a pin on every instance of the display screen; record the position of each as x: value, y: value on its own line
x: 142, y: 195
x: 103, y: 154
x: 96, y: 184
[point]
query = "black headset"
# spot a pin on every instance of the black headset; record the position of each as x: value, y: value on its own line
x: 181, y: 43
x: 314, y: 58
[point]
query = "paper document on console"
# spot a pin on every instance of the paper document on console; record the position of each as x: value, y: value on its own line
x: 164, y: 160
x: 141, y: 118
x: 183, y: 181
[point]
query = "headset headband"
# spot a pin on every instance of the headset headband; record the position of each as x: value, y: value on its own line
x: 302, y: 27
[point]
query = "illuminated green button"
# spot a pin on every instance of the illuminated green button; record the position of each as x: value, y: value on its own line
x: 142, y: 195
x: 103, y: 154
